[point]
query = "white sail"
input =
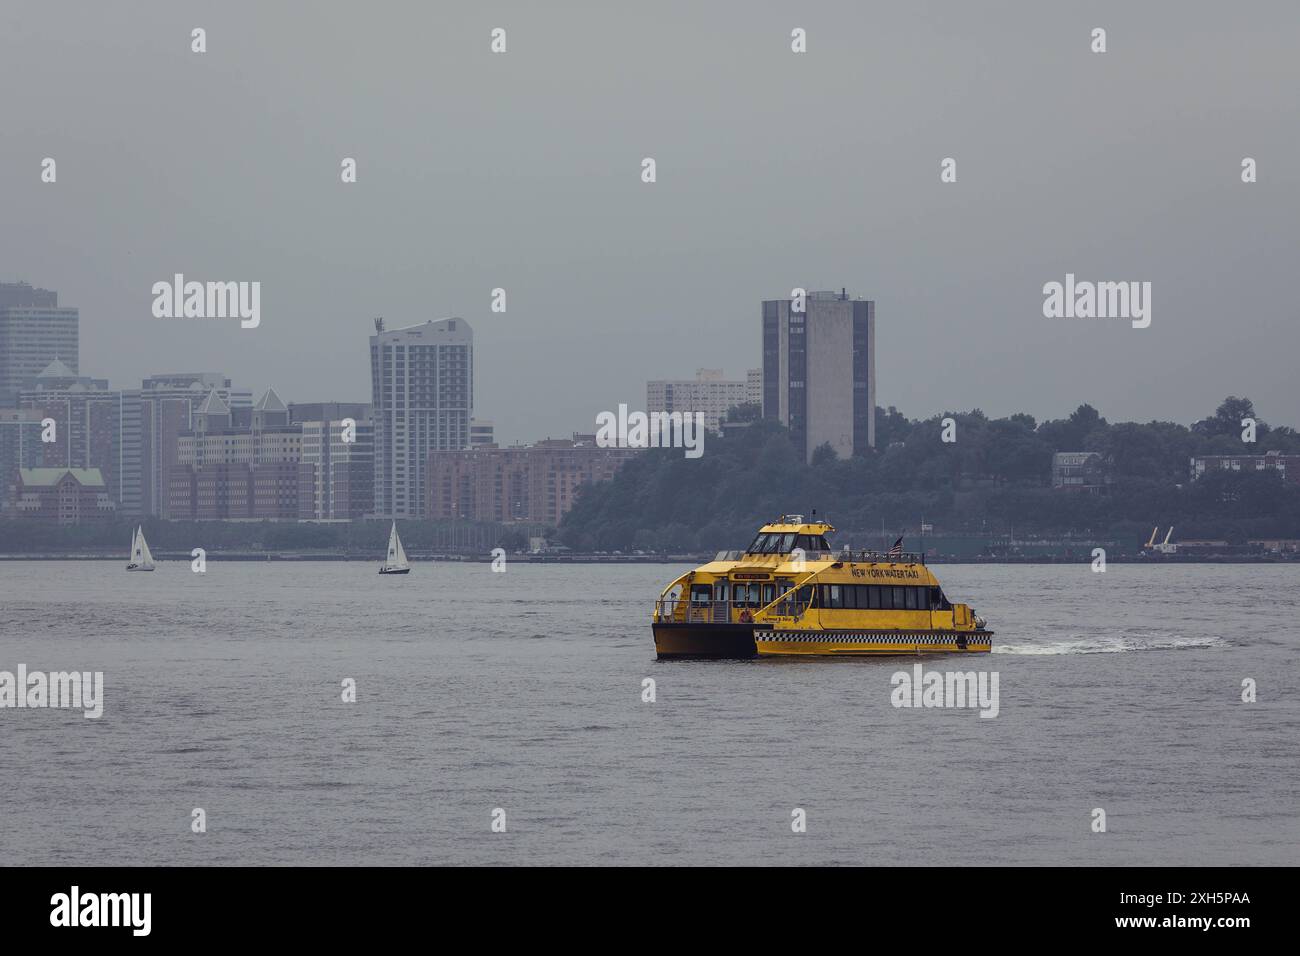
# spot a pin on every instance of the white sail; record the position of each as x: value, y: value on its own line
x: 146, y: 558
x: 396, y: 553
x: 141, y: 559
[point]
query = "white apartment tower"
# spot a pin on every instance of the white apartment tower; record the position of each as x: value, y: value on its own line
x: 422, y: 399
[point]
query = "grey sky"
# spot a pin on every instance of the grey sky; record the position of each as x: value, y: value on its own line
x: 774, y: 170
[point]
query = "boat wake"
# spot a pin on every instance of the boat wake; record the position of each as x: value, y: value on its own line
x: 1110, y: 645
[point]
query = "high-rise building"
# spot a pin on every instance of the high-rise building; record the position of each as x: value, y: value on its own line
x: 336, y: 477
x: 535, y: 483
x: 422, y: 381
x: 87, y: 417
x: 34, y: 331
x: 153, y: 418
x: 710, y: 393
x: 20, y: 445
x: 819, y: 371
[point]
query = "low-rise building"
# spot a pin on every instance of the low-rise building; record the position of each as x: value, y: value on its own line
x: 481, y: 433
x: 64, y: 495
x: 1287, y: 466
x: 237, y: 464
x: 1080, y: 471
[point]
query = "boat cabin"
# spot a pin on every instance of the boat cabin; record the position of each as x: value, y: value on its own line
x: 791, y: 576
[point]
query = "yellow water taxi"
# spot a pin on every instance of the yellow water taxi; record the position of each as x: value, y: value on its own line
x: 789, y: 593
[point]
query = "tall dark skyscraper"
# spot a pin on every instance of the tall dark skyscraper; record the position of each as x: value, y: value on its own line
x: 819, y: 370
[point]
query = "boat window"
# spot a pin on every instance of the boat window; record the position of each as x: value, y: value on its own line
x: 700, y: 593
x: 873, y: 597
x: 910, y: 594
x: 759, y: 543
x: 804, y: 595
x: 900, y: 602
x: 720, y: 591
x: 938, y: 600
x: 782, y: 586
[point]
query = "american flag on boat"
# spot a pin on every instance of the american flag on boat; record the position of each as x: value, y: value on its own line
x: 897, y: 549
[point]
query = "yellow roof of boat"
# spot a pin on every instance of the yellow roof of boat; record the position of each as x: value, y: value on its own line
x: 797, y: 525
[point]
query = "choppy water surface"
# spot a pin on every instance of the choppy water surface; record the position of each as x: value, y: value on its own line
x: 523, y: 691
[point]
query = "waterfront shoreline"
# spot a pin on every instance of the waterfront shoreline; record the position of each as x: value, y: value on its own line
x: 476, y: 558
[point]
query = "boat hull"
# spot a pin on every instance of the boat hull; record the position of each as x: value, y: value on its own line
x: 676, y: 640
x: 684, y: 640
x: 394, y: 570
x: 867, y: 643
x: 136, y: 567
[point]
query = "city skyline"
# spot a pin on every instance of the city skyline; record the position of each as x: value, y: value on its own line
x: 611, y: 281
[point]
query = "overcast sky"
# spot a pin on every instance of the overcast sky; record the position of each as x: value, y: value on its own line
x: 774, y: 169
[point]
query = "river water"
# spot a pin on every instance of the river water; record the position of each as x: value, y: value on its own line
x: 523, y: 691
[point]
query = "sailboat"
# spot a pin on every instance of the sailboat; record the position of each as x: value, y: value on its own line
x: 141, y: 559
x: 396, y: 562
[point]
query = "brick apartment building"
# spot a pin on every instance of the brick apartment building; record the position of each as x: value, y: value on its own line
x: 535, y: 483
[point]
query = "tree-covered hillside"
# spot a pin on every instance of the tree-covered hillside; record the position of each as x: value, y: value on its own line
x: 995, y: 477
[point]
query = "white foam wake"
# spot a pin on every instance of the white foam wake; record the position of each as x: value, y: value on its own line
x: 1110, y: 645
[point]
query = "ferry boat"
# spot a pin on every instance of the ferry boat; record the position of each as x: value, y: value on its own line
x: 789, y: 593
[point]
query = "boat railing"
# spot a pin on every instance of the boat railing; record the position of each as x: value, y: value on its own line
x: 721, y: 612
x: 855, y: 555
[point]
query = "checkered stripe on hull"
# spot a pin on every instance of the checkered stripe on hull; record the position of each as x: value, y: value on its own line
x: 980, y: 639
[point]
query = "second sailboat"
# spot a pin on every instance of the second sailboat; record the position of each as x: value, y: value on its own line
x: 396, y: 562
